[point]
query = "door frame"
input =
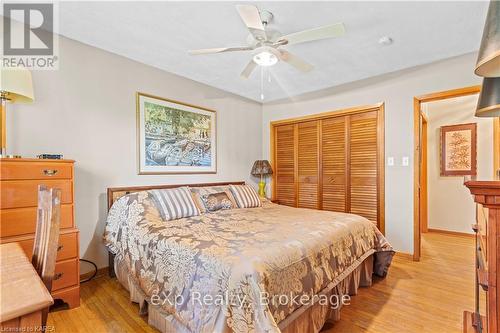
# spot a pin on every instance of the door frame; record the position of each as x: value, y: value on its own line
x: 424, y: 201
x: 496, y: 148
x: 417, y: 119
x: 380, y: 108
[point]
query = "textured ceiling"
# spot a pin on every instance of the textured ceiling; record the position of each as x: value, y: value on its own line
x: 160, y: 33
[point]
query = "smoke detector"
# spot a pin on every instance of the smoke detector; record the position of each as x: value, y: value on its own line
x: 385, y: 40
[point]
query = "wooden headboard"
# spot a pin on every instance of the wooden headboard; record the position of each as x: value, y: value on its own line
x: 115, y: 193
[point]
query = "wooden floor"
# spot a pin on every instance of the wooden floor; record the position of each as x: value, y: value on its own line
x: 425, y: 296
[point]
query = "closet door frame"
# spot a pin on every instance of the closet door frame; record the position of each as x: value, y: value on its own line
x: 379, y: 108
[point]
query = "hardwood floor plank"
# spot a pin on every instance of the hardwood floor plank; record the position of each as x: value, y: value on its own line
x: 425, y: 296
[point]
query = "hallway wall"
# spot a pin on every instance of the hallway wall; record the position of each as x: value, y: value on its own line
x: 450, y: 205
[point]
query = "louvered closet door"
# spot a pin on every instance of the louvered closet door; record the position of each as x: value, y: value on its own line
x: 307, y: 163
x: 333, y: 160
x: 285, y: 164
x: 363, y: 165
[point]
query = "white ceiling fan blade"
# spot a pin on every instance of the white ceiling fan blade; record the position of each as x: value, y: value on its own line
x: 328, y: 31
x: 219, y: 50
x: 248, y: 69
x: 295, y: 61
x: 251, y: 17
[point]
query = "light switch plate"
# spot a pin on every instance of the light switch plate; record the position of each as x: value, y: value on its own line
x: 390, y: 161
x: 405, y: 161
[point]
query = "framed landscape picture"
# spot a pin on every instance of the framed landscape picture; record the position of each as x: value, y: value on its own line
x: 175, y: 137
x: 458, y: 150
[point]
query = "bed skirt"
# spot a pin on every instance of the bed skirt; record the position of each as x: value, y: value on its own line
x: 304, y: 319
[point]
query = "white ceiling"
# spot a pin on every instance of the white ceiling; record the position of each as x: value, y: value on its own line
x: 160, y: 33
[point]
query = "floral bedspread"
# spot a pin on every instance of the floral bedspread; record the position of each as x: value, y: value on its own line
x: 228, y: 267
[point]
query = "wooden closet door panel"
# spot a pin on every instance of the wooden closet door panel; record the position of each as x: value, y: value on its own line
x: 333, y: 159
x: 307, y: 164
x: 285, y: 165
x: 363, y: 165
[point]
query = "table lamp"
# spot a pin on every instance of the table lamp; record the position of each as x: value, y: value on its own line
x: 488, y: 60
x: 262, y: 168
x: 15, y: 87
x: 488, y: 104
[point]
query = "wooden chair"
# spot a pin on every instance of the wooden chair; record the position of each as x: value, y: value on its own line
x: 47, y: 237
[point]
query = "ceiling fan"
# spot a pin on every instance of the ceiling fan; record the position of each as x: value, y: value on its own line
x: 266, y: 43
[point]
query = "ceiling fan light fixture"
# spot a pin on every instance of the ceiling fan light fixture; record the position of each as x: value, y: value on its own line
x: 265, y: 57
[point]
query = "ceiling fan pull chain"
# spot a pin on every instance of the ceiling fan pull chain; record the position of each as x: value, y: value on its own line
x: 261, y: 82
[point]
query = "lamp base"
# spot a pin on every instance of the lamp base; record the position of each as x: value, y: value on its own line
x: 262, y: 189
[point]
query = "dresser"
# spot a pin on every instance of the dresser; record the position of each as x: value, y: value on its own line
x: 18, y: 209
x: 487, y: 227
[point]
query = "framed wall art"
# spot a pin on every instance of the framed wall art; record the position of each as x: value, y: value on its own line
x: 175, y: 137
x: 458, y: 150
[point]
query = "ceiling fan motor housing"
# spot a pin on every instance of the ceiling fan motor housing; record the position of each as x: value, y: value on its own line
x: 271, y: 34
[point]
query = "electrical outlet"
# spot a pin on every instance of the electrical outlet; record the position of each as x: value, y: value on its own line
x: 405, y: 161
x: 390, y: 161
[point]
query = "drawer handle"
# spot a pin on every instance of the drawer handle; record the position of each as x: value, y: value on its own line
x: 49, y: 172
x: 60, y: 247
x: 58, y: 276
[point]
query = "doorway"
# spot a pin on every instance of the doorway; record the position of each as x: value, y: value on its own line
x: 422, y: 157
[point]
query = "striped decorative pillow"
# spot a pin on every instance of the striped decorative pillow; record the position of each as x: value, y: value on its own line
x: 175, y: 203
x: 245, y: 196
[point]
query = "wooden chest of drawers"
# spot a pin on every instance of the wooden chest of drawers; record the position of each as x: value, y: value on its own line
x: 19, y: 180
x: 487, y: 197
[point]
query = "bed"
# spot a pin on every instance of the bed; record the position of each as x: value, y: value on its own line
x: 267, y: 269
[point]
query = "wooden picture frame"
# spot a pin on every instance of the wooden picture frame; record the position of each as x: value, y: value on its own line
x: 174, y: 137
x: 459, y: 150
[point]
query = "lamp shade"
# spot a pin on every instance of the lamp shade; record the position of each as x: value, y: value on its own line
x: 488, y: 104
x: 488, y: 61
x: 16, y: 85
x: 261, y: 168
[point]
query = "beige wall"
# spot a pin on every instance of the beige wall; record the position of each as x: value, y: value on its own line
x: 86, y: 111
x: 397, y: 91
x: 448, y: 192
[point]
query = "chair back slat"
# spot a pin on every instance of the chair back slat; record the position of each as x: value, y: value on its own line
x: 47, y: 235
